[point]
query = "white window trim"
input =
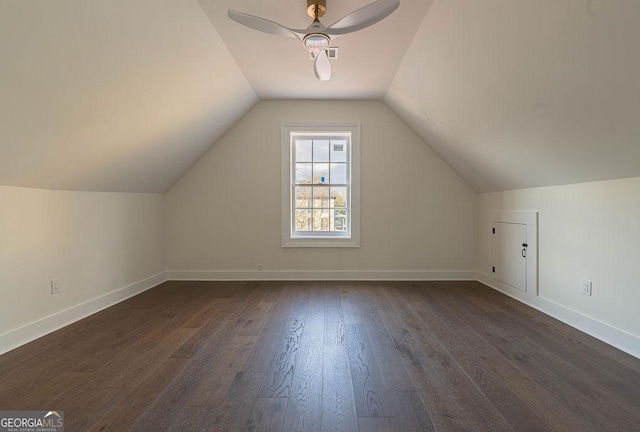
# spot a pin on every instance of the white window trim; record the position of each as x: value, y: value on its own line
x: 325, y: 241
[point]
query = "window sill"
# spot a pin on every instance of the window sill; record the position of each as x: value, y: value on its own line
x: 320, y: 242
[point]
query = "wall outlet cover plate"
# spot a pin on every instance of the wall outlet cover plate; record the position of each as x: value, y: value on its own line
x: 56, y: 286
x: 585, y: 287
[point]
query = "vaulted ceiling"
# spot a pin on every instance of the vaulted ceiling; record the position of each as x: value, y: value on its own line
x: 524, y: 93
x: 117, y: 95
x: 126, y: 95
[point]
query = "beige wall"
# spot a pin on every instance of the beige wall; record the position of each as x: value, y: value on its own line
x: 586, y: 231
x: 416, y: 213
x: 95, y: 242
x: 224, y: 216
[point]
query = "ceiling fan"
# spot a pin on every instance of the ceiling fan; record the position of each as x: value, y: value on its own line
x: 317, y: 38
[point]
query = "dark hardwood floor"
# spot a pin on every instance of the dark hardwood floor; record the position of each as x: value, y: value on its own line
x: 315, y: 356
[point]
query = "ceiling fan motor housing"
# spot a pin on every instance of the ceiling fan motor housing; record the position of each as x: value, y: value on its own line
x: 319, y: 5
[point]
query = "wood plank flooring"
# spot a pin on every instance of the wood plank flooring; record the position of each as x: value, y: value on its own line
x: 324, y: 356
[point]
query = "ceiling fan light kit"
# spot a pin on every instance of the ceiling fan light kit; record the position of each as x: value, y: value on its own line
x: 317, y: 38
x: 316, y: 42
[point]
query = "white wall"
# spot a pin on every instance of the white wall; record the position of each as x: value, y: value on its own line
x: 586, y: 231
x: 97, y: 243
x: 417, y: 215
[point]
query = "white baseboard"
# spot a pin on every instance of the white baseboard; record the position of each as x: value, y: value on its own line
x: 29, y: 332
x: 342, y: 275
x: 605, y: 332
x: 611, y: 335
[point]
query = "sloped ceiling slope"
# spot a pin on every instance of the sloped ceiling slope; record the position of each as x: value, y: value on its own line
x: 111, y: 95
x: 524, y: 93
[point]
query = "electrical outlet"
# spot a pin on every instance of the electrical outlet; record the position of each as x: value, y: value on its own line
x: 585, y: 287
x: 56, y: 286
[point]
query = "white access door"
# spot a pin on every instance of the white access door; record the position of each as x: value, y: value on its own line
x: 509, y: 252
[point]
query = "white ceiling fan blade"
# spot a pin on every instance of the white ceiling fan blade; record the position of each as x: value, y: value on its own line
x: 322, y: 66
x: 363, y: 17
x: 263, y: 25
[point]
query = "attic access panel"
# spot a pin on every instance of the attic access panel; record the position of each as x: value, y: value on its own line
x: 509, y: 262
x: 514, y: 248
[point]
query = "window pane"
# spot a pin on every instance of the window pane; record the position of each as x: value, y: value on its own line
x: 320, y: 189
x: 303, y: 197
x: 303, y: 150
x: 321, y: 150
x: 340, y: 220
x: 321, y: 220
x: 303, y: 220
x: 303, y: 173
x: 320, y: 197
x: 338, y: 150
x: 321, y: 173
x: 339, y: 173
x: 338, y: 197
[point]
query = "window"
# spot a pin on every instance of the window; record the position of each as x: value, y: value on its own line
x: 320, y: 181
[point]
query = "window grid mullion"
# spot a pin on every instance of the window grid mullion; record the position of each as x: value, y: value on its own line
x: 313, y: 186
